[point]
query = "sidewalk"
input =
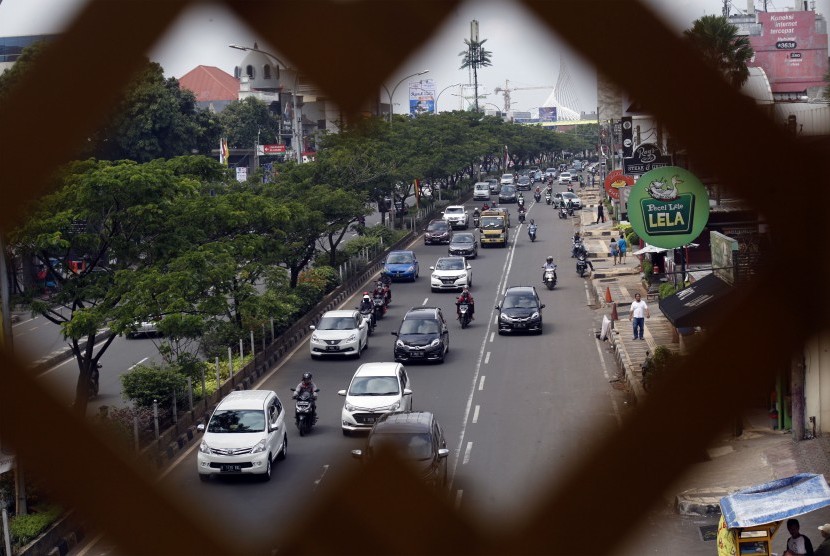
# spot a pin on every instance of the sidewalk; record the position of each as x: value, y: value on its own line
x: 759, y: 455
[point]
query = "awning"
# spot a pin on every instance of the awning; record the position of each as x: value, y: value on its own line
x: 775, y: 501
x: 703, y: 303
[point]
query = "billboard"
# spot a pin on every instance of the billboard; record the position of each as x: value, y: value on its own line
x: 547, y: 113
x: 422, y: 97
x: 790, y: 50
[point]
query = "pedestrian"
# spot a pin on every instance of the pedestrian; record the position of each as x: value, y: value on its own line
x: 600, y: 214
x: 622, y: 245
x: 638, y: 313
x: 824, y: 548
x: 615, y: 249
x: 797, y: 543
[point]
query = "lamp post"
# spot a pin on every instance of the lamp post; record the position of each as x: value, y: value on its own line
x: 442, y: 90
x: 296, y: 134
x: 395, y: 88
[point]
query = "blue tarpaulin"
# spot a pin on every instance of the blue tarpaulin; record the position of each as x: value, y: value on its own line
x: 775, y: 501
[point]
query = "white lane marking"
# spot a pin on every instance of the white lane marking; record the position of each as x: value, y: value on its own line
x: 23, y: 322
x: 481, y: 384
x: 458, y: 495
x: 467, y: 453
x: 492, y: 335
x: 614, y: 404
x: 425, y: 301
x: 322, y: 475
x: 137, y: 364
x: 475, y: 414
x: 587, y: 294
x: 487, y: 358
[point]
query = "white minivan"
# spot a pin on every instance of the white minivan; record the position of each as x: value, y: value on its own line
x: 375, y: 389
x: 245, y: 434
x: 481, y: 191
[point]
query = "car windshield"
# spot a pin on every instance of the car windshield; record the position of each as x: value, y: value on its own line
x: 449, y: 264
x: 454, y: 210
x: 508, y: 189
x: 524, y: 179
x: 507, y: 176
x: 437, y: 227
x: 407, y: 445
x: 374, y: 386
x: 336, y: 323
x: 491, y: 222
x: 569, y: 195
x: 399, y: 258
x: 463, y: 238
x: 418, y: 326
x: 237, y: 420
x: 519, y: 301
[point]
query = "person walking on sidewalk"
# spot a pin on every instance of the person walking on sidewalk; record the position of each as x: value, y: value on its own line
x: 824, y: 548
x: 622, y: 245
x: 615, y: 249
x: 600, y: 214
x: 638, y: 313
x: 797, y: 543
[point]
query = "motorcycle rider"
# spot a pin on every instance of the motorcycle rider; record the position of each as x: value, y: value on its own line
x: 531, y: 228
x: 485, y: 207
x: 549, y: 265
x: 577, y: 245
x: 467, y: 298
x: 381, y: 289
x: 307, y: 385
x: 366, y: 303
x: 386, y: 280
x: 520, y: 199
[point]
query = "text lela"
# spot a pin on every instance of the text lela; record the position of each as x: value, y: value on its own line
x: 665, y: 219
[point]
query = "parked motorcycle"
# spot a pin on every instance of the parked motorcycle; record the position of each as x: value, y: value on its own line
x: 464, y: 314
x: 547, y: 198
x: 550, y: 278
x: 531, y: 232
x: 581, y: 265
x: 379, y: 301
x: 305, y: 411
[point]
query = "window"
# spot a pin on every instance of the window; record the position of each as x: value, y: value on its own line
x: 249, y: 71
x: 266, y: 72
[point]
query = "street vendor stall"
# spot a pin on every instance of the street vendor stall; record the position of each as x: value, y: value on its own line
x: 750, y: 517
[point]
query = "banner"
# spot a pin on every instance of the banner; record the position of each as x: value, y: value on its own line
x: 422, y: 97
x: 547, y: 113
x: 224, y: 153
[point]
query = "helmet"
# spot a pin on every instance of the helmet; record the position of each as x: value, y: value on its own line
x: 550, y: 259
x: 306, y: 377
x: 465, y: 290
x: 366, y: 296
x: 531, y: 221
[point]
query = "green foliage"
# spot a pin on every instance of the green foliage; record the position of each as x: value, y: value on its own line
x: 143, y: 384
x: 662, y: 362
x: 248, y: 122
x: 648, y: 269
x: 666, y: 290
x: 25, y: 528
x: 633, y: 240
x: 721, y: 47
x: 323, y: 278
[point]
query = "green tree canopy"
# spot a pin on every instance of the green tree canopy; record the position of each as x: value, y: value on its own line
x: 721, y: 47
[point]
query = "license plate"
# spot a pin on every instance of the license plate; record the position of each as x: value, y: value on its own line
x: 332, y: 348
x: 416, y: 354
x: 520, y: 325
x: 229, y: 468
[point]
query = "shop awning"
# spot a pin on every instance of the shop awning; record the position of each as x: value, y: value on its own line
x: 703, y: 303
x: 775, y: 501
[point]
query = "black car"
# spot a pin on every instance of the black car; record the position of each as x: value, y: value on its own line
x: 438, y: 231
x: 520, y: 310
x: 422, y: 336
x: 415, y: 436
x: 464, y: 244
x: 523, y: 183
x: 507, y: 194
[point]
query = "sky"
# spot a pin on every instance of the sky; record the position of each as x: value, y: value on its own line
x: 524, y: 53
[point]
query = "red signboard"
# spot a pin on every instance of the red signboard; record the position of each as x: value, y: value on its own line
x: 273, y: 149
x: 616, y: 180
x: 790, y: 50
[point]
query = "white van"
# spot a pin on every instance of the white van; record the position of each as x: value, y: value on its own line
x: 375, y: 389
x: 245, y: 434
x: 481, y: 191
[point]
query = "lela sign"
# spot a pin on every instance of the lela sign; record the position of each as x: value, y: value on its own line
x: 668, y: 207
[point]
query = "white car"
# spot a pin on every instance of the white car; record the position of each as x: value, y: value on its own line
x: 550, y: 173
x: 375, y: 389
x: 456, y: 216
x: 451, y: 273
x: 565, y: 178
x: 506, y: 179
x: 481, y: 191
x: 245, y: 434
x: 339, y: 333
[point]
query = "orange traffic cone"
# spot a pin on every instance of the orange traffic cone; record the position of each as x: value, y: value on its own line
x: 614, y: 315
x: 608, y: 294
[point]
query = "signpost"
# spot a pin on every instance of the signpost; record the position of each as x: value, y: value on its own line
x: 646, y: 157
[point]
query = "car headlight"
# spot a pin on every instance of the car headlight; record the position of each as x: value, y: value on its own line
x: 462, y: 275
x: 259, y: 447
x: 434, y: 277
x: 504, y: 317
x: 204, y: 448
x: 315, y: 338
x: 410, y: 269
x: 534, y: 316
x: 395, y: 406
x: 435, y: 342
x: 351, y: 338
x: 399, y: 343
x: 349, y: 407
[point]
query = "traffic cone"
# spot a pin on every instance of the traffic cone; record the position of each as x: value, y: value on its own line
x: 614, y: 315
x: 608, y: 294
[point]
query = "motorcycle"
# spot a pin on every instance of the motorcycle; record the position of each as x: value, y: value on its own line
x: 368, y: 315
x: 570, y: 188
x: 537, y: 196
x: 570, y: 209
x: 531, y: 232
x: 305, y: 415
x: 379, y: 301
x: 520, y: 201
x: 578, y: 249
x: 476, y: 220
x: 581, y: 265
x: 522, y: 213
x: 550, y: 278
x: 386, y: 282
x: 547, y: 198
x: 464, y: 314
x: 563, y: 211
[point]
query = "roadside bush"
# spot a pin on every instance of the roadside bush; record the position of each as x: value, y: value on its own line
x: 25, y: 528
x: 143, y: 384
x: 666, y: 290
x: 648, y: 269
x: 633, y: 240
x: 325, y: 278
x: 658, y: 368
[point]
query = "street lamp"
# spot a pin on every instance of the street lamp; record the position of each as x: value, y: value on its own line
x: 442, y: 90
x: 296, y: 134
x: 395, y: 88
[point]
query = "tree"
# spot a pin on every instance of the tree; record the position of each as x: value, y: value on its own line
x: 475, y: 56
x: 721, y: 47
x: 247, y: 122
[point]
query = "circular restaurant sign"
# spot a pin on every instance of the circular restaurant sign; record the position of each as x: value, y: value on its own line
x: 668, y: 207
x: 616, y: 180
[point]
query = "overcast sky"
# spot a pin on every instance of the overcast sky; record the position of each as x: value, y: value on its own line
x: 523, y: 51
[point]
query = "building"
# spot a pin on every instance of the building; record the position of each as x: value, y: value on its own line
x: 12, y: 47
x: 213, y: 88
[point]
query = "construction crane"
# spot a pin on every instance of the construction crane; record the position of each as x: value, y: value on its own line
x: 506, y: 90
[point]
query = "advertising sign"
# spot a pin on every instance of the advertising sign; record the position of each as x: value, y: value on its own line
x: 646, y: 157
x: 668, y: 207
x: 627, y: 136
x: 616, y: 180
x: 241, y: 173
x: 547, y: 113
x: 422, y: 97
x: 723, y: 250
